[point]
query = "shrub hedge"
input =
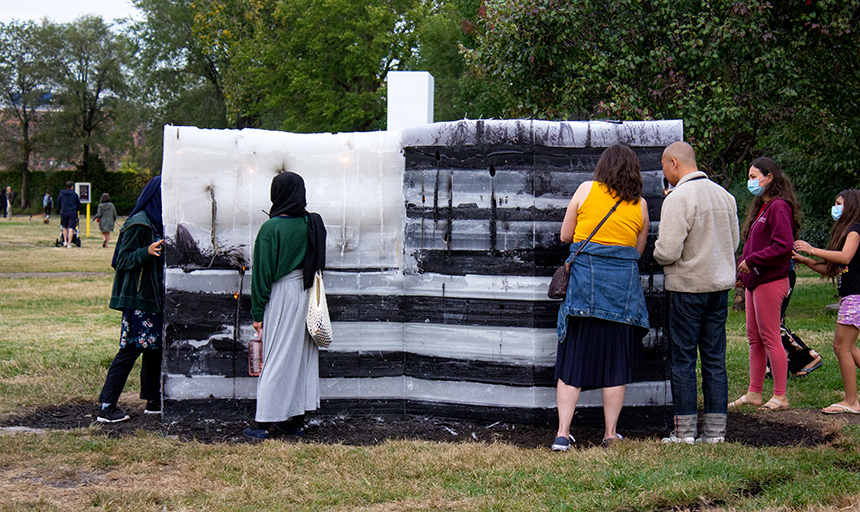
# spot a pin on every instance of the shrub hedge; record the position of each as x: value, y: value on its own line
x: 123, y: 188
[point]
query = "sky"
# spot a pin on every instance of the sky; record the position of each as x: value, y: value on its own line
x: 64, y: 11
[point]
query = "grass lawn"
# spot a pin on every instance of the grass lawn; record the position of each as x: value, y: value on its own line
x: 57, y: 337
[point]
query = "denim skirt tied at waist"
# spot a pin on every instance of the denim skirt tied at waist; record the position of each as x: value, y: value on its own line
x: 604, y: 283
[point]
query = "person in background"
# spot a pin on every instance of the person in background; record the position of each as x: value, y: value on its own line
x: 10, y: 196
x: 138, y: 291
x: 288, y: 250
x: 802, y: 360
x: 696, y: 245
x: 842, y: 262
x: 772, y: 222
x: 602, y: 320
x: 47, y: 205
x: 68, y: 203
x: 106, y: 217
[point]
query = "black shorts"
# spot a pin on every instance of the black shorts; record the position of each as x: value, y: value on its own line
x: 68, y: 221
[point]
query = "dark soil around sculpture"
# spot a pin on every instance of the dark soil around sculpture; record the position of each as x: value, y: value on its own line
x: 804, y: 427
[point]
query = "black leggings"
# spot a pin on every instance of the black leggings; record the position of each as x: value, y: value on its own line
x: 120, y: 368
x: 792, y: 278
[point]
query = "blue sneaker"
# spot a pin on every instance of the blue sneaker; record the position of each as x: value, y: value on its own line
x: 254, y: 433
x: 561, y: 444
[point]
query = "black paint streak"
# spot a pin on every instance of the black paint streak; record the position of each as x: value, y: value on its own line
x: 472, y: 212
x: 378, y: 364
x: 586, y: 417
x: 436, y: 198
x: 392, y: 364
x: 183, y: 252
x: 519, y: 156
x: 197, y: 316
x: 213, y: 234
x: 449, y: 213
x: 493, y: 214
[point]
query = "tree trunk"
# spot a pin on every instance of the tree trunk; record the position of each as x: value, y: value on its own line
x: 85, y: 163
x: 25, y: 184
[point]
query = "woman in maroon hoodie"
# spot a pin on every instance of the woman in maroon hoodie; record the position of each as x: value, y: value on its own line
x: 769, y: 230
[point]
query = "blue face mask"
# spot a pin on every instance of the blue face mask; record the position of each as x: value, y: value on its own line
x: 754, y: 188
x: 836, y: 211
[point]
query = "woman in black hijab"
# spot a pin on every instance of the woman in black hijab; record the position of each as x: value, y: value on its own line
x: 289, y: 249
x: 138, y: 292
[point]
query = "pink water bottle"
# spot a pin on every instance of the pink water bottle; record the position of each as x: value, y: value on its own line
x: 255, y: 356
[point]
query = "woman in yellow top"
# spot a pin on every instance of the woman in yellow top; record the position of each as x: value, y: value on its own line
x: 603, y: 317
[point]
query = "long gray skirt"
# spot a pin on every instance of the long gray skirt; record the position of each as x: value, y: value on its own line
x: 289, y: 383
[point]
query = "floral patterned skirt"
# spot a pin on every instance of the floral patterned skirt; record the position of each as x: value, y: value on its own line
x: 140, y: 330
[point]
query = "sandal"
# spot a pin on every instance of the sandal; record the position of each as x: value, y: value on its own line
x: 839, y: 409
x: 739, y: 402
x: 803, y: 372
x: 774, y: 405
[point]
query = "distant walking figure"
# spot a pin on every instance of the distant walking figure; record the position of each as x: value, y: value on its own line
x: 69, y: 203
x: 10, y: 196
x: 105, y: 216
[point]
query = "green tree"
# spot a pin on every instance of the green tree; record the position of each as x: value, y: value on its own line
x: 738, y: 72
x: 310, y: 66
x: 25, y: 95
x: 179, y: 70
x: 91, y: 90
x: 443, y: 37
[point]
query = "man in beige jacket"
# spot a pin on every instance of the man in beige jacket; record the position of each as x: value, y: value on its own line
x: 696, y: 245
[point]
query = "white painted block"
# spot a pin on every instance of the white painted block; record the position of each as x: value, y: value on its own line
x: 410, y: 99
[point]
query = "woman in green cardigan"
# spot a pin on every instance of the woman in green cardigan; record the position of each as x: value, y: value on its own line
x: 289, y: 249
x: 138, y: 292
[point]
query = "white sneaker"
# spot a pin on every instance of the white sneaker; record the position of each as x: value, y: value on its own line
x: 675, y: 439
x: 711, y: 440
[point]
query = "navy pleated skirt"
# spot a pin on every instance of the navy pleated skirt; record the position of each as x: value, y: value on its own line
x: 598, y: 353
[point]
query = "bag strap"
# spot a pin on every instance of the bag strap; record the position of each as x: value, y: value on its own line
x: 611, y: 211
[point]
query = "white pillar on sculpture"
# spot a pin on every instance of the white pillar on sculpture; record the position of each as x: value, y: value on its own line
x: 410, y: 99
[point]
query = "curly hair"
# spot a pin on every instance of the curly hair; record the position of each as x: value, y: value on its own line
x: 618, y: 169
x: 850, y: 215
x: 780, y: 187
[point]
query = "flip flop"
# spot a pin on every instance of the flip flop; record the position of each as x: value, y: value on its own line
x: 839, y: 409
x: 774, y: 405
x: 803, y: 372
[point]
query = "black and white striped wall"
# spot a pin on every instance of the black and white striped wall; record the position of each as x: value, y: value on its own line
x: 441, y: 241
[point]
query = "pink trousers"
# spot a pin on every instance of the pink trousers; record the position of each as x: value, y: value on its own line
x: 762, y: 305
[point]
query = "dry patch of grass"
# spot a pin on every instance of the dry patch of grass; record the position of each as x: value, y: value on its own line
x: 57, y: 337
x: 84, y: 469
x: 92, y: 472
